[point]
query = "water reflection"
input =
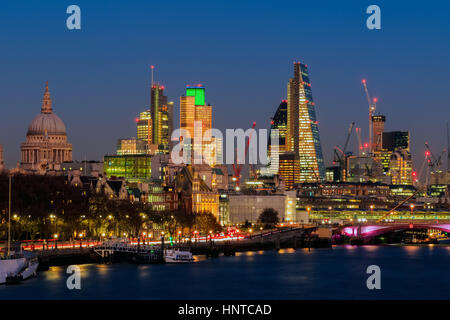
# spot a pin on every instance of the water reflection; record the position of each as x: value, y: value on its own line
x: 289, y: 250
x: 102, y: 269
x: 371, y: 248
x: 53, y: 274
x: 287, y: 274
x: 411, y: 250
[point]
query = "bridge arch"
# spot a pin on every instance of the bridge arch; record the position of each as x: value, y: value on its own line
x: 376, y: 230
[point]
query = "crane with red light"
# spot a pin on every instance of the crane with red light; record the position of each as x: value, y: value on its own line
x: 434, y: 163
x: 372, y: 108
x: 237, y: 167
x: 360, y: 146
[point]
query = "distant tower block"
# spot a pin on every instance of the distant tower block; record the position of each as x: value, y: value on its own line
x: 378, y: 129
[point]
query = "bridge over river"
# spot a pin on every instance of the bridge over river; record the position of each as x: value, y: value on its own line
x: 375, y: 229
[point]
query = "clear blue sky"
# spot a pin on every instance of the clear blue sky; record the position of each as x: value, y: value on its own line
x: 242, y: 51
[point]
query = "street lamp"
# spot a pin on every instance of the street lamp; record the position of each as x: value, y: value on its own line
x: 253, y: 211
x: 196, y: 235
x: 412, y: 209
x: 81, y: 240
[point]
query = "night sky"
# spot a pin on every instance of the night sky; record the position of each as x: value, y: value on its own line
x: 242, y: 51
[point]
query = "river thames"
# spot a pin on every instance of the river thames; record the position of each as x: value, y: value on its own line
x: 407, y: 272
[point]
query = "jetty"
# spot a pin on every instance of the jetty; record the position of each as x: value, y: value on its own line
x: 123, y: 250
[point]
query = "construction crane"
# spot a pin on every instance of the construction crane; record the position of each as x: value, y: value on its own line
x: 360, y: 146
x: 425, y: 161
x: 434, y: 163
x: 372, y: 108
x: 341, y: 156
x: 237, y: 167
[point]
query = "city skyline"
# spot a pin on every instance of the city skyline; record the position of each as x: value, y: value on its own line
x: 214, y: 159
x: 106, y: 109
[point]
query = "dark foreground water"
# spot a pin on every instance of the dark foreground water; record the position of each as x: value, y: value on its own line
x: 409, y: 272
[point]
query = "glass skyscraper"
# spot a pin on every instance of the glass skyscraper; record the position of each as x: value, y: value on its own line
x: 162, y: 117
x: 278, y: 122
x: 302, y: 126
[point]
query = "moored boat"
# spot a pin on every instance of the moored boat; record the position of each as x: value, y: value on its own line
x: 15, y: 264
x: 177, y: 256
x: 18, y: 266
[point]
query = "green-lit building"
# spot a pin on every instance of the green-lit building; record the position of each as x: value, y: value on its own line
x: 134, y: 168
x: 198, y: 92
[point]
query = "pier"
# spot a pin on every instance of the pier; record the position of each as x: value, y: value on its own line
x: 126, y: 251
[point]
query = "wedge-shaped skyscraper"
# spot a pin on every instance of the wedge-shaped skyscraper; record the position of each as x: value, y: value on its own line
x: 302, y: 126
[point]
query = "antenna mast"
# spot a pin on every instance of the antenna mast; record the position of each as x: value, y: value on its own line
x: 372, y: 108
x: 152, y: 67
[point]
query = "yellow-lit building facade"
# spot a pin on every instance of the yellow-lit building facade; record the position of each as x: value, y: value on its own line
x: 131, y: 146
x: 194, y: 109
x: 400, y: 168
x: 302, y: 126
x: 204, y: 202
x: 289, y: 169
x: 144, y: 126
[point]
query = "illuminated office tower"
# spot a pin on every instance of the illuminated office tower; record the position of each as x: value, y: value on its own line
x: 168, y: 126
x: 278, y: 122
x: 144, y: 126
x: 203, y: 112
x: 194, y: 108
x: 379, y: 154
x: 157, y: 101
x: 302, y: 127
x: 396, y: 140
x: 144, y: 132
x: 162, y: 118
x: 187, y: 114
x: 400, y: 167
x: 378, y: 122
x: 289, y: 169
x: 198, y: 92
x: 397, y: 143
